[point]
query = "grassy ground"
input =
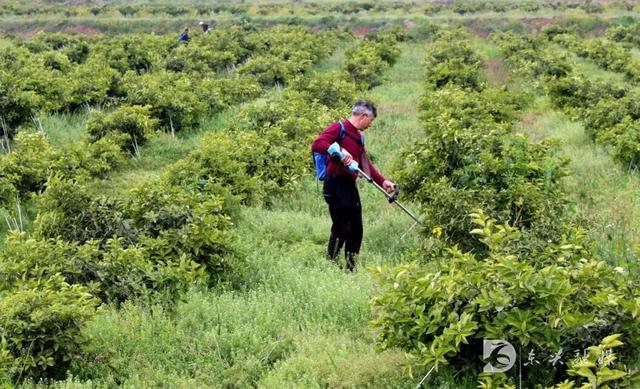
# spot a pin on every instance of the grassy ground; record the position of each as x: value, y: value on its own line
x: 298, y: 320
x: 606, y: 194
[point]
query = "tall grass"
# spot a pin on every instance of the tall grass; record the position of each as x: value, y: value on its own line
x: 606, y: 194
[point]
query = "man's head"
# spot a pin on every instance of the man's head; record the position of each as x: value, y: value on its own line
x: 362, y: 114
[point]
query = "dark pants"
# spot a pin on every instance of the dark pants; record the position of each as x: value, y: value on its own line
x: 341, y: 193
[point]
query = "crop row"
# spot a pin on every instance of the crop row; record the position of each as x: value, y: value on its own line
x: 162, y: 237
x: 508, y: 262
x: 608, y: 111
x: 305, y: 8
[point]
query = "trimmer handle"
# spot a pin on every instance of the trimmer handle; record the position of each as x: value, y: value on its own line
x: 335, y: 151
x: 394, y: 197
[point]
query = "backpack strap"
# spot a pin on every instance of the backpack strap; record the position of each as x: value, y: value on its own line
x: 343, y: 132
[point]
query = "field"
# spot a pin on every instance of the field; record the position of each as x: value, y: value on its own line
x: 162, y: 226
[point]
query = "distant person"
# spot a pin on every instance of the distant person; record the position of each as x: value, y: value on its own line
x: 205, y: 27
x: 184, y: 37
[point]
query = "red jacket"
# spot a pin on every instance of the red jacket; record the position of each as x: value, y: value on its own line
x: 332, y: 134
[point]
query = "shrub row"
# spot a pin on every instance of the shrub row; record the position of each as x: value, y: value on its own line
x: 266, y: 151
x: 625, y: 34
x: 25, y: 170
x: 607, y: 110
x: 554, y: 305
x: 181, y: 82
x: 469, y: 159
x: 521, y: 276
x: 234, y: 9
x: 607, y: 54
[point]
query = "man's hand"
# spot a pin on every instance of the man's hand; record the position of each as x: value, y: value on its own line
x: 388, y: 186
x: 346, y: 157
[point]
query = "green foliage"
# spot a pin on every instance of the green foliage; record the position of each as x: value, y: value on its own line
x: 285, y: 52
x: 40, y: 325
x: 25, y: 170
x: 367, y: 62
x: 175, y: 98
x: 133, y: 121
x: 532, y: 58
x: 468, y: 158
x: 91, y: 83
x: 594, y: 368
x: 138, y: 53
x: 331, y: 89
x: 562, y: 299
x: 608, y: 110
x: 16, y: 106
x: 625, y: 34
x: 180, y: 236
x: 451, y: 60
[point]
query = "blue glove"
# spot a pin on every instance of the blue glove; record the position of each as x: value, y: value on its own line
x: 334, y: 150
x: 353, y: 167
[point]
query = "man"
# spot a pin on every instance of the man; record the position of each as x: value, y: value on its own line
x: 205, y: 27
x: 184, y: 37
x: 340, y: 190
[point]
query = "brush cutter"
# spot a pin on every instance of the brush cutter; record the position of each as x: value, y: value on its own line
x: 335, y: 151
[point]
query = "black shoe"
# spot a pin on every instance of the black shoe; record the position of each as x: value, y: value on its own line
x: 351, y: 261
x: 333, y: 248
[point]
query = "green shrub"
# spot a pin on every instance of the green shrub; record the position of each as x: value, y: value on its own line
x: 331, y: 89
x: 16, y: 106
x: 221, y: 161
x: 221, y: 93
x: 268, y: 69
x: 133, y: 121
x: 26, y: 168
x: 137, y: 53
x: 176, y: 99
x: 563, y: 300
x: 81, y: 161
x: 595, y: 368
x: 450, y: 59
x: 365, y: 65
x: 468, y: 159
x: 176, y: 236
x: 40, y: 325
x: 90, y: 84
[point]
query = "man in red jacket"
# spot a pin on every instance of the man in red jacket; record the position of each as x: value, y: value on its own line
x: 340, y: 190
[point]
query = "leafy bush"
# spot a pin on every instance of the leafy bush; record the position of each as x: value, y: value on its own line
x: 331, y: 89
x: 451, y: 60
x: 365, y: 66
x: 180, y: 236
x: 40, y: 325
x: 176, y: 99
x: 25, y: 170
x: 468, y: 159
x: 16, y: 106
x: 594, y: 367
x: 91, y: 83
x: 562, y: 300
x: 133, y: 121
x: 269, y: 69
x: 81, y: 161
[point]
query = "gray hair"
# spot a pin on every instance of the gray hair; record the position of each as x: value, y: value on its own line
x: 364, y: 107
